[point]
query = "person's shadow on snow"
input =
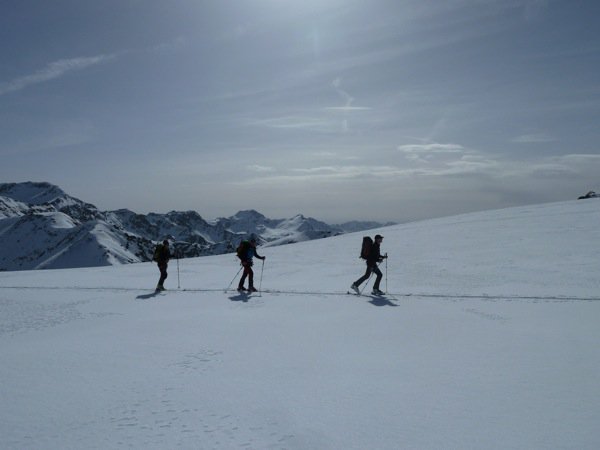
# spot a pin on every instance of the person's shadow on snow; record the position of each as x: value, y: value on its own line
x: 148, y: 296
x: 380, y: 301
x: 240, y: 297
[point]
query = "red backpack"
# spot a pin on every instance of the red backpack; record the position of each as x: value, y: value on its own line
x: 365, y: 250
x: 242, y: 250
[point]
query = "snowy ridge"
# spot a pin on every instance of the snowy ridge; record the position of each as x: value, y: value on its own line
x: 32, y: 193
x: 490, y: 340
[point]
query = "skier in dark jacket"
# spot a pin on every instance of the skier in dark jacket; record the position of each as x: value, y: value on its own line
x: 246, y: 251
x: 162, y: 256
x: 373, y: 258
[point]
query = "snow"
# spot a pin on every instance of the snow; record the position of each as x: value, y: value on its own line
x: 10, y: 208
x: 33, y: 193
x: 490, y: 340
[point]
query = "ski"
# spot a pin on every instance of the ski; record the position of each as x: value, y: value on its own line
x: 243, y: 293
x: 366, y: 295
x: 151, y: 294
x: 387, y: 299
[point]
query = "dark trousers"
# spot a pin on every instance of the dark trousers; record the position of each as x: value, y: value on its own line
x: 249, y: 273
x: 371, y: 268
x: 163, y: 273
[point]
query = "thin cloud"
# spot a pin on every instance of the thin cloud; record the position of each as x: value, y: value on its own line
x: 330, y: 174
x: 564, y: 165
x: 348, y: 108
x: 178, y: 42
x: 347, y: 98
x: 435, y: 159
x: 320, y: 170
x: 53, y: 71
x: 568, y: 164
x: 297, y: 122
x: 431, y: 148
x: 533, y: 138
x: 335, y: 156
x: 261, y: 169
x: 579, y: 158
x: 471, y: 164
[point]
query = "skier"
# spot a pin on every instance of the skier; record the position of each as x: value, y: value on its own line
x: 162, y: 256
x: 373, y: 257
x: 246, y: 251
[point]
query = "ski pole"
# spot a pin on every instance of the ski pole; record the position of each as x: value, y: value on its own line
x: 365, y: 286
x: 233, y: 279
x: 386, y: 286
x: 262, y: 268
x: 178, y: 283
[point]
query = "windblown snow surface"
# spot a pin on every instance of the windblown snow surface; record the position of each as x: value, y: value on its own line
x: 491, y: 340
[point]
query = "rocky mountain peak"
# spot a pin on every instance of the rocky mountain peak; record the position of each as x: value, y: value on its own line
x: 33, y: 193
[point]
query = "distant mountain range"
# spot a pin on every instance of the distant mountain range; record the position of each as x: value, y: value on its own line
x: 41, y: 227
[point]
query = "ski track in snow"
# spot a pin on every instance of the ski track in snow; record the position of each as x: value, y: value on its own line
x: 391, y: 295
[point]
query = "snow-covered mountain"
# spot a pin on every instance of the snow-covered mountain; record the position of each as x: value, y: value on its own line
x: 42, y: 227
x: 277, y: 232
x: 488, y: 339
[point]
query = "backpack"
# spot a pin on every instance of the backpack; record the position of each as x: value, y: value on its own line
x: 365, y: 250
x: 242, y: 250
x: 157, y: 252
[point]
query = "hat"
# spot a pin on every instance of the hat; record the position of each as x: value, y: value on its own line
x: 378, y: 236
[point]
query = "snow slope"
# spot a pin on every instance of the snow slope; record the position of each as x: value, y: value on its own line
x: 490, y: 340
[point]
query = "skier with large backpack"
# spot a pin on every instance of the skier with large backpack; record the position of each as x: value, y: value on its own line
x: 371, y: 253
x: 245, y: 252
x: 161, y: 256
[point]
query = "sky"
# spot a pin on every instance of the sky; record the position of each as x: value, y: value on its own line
x: 387, y: 110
